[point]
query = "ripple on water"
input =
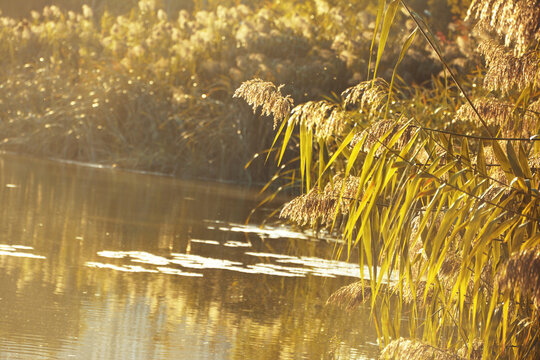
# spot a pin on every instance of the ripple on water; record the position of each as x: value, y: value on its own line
x: 14, y: 250
x: 275, y: 264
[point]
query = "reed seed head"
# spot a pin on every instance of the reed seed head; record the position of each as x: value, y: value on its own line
x: 518, y: 21
x: 264, y: 94
x: 414, y: 350
x: 370, y: 95
x: 318, y: 207
x: 522, y: 273
x: 351, y: 296
x: 501, y: 114
x: 322, y: 117
x: 476, y: 352
x: 506, y: 70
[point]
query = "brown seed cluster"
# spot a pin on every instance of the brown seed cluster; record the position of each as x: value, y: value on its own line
x: 414, y: 350
x: 476, y: 351
x: 370, y: 95
x: 351, y: 296
x: 264, y: 94
x: 410, y: 295
x: 522, y: 273
x: 320, y: 208
x: 322, y: 117
x: 501, y: 114
x: 517, y: 21
x: 506, y: 70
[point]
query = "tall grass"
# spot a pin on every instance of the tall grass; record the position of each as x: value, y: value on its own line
x: 151, y: 87
x: 438, y: 186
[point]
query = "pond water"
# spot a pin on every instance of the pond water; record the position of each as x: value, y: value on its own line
x: 106, y: 264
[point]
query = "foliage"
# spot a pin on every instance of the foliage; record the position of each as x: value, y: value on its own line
x: 438, y: 187
x: 151, y: 89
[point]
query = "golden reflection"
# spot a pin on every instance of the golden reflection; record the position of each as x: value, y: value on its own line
x: 105, y: 276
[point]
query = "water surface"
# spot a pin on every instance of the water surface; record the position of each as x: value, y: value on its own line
x: 104, y: 264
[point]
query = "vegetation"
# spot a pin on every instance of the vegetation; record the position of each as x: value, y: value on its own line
x: 151, y: 88
x: 435, y: 183
x: 436, y: 186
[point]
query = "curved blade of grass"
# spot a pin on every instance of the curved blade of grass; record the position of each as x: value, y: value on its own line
x: 503, y: 160
x: 514, y: 161
x: 342, y: 146
x: 380, y: 12
x: 385, y: 30
x: 288, y: 133
x: 276, y: 137
x: 404, y: 49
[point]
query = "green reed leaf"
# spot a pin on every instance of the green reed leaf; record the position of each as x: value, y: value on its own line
x: 380, y: 14
x: 385, y: 30
x: 514, y: 161
x: 288, y: 133
x: 404, y: 49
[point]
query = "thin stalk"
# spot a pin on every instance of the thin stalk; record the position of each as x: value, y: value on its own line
x: 439, y: 55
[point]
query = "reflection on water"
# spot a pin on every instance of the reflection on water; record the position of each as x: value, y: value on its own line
x: 102, y: 264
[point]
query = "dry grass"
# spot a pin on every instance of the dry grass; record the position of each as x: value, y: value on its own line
x: 414, y: 350
x: 439, y: 166
x: 510, y: 123
x: 320, y: 208
x: 351, y: 296
x: 325, y: 119
x: 370, y: 96
x: 522, y: 274
x: 506, y: 70
x: 516, y: 21
x: 268, y: 97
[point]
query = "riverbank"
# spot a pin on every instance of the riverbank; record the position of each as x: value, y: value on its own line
x: 152, y: 91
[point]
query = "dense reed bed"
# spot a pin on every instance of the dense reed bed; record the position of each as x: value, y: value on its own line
x: 435, y: 185
x: 151, y: 88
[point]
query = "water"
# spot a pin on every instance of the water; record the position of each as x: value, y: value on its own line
x: 104, y: 264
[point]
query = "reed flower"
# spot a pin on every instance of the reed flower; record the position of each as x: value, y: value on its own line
x: 506, y: 70
x: 522, y: 273
x: 259, y: 93
x: 146, y: 6
x: 501, y: 114
x: 370, y: 95
x: 87, y: 12
x: 515, y: 20
x: 318, y: 207
x: 414, y: 350
x: 309, y: 209
x: 476, y: 352
x: 350, y: 296
x: 415, y: 294
x: 322, y: 117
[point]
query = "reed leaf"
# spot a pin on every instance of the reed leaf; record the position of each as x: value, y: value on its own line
x: 385, y: 30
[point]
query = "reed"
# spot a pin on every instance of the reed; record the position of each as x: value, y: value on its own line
x: 437, y: 186
x: 150, y: 87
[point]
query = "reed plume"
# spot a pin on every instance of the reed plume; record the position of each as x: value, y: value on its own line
x: 413, y: 350
x: 265, y: 94
x: 506, y: 70
x: 410, y: 297
x: 322, y: 117
x: 518, y: 21
x: 370, y: 95
x: 311, y: 209
x: 501, y: 114
x: 476, y: 351
x: 522, y: 273
x: 350, y: 296
x: 320, y: 208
